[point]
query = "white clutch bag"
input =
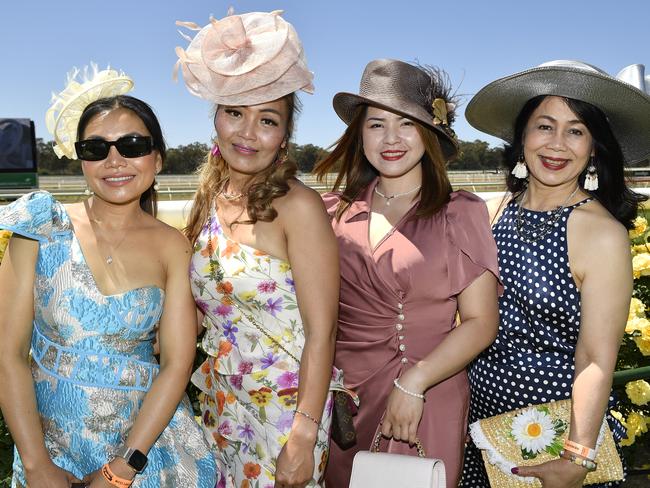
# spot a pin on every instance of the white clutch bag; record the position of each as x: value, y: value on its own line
x: 372, y: 469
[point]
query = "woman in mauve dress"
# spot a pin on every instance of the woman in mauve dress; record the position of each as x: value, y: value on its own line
x: 419, y: 279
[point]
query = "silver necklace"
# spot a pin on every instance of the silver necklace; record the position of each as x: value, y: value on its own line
x: 112, y: 249
x: 532, y: 232
x: 388, y: 198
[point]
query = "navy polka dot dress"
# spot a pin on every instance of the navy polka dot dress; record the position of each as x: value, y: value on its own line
x: 532, y: 359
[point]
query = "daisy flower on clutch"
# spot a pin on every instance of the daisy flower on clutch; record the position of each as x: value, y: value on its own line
x: 535, y: 431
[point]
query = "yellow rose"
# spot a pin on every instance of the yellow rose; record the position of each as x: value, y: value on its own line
x: 637, y: 424
x: 643, y: 341
x: 641, y: 264
x: 638, y: 392
x: 640, y: 226
x: 639, y: 248
x: 636, y: 323
x: 637, y: 309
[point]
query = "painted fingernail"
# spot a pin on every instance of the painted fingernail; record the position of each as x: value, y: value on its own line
x: 514, y: 470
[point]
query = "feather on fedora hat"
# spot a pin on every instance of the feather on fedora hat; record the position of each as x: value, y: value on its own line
x: 623, y: 99
x: 418, y: 93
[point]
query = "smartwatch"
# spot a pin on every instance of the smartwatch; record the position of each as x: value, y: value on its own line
x: 134, y: 458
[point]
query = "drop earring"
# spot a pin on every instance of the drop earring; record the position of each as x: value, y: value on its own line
x: 215, y: 151
x: 520, y: 170
x: 591, y: 178
x: 87, y: 191
x: 156, y: 185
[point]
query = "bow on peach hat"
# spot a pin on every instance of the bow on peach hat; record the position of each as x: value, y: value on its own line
x: 244, y: 59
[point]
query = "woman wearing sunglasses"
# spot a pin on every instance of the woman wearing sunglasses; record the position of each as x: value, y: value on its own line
x: 265, y: 266
x: 83, y: 287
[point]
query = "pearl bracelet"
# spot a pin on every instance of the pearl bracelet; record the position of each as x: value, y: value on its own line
x: 588, y: 464
x: 404, y: 390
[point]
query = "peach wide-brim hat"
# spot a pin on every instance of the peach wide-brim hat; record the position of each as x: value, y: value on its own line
x: 244, y: 59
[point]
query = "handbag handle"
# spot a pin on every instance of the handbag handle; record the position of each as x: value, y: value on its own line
x: 375, y: 443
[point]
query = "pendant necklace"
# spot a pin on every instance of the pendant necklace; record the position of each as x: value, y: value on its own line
x: 531, y: 232
x: 112, y: 249
x: 388, y: 198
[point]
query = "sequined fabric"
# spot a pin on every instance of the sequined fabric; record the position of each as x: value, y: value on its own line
x: 93, y: 363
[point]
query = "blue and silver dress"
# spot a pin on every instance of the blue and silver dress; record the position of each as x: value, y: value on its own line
x: 93, y: 362
x: 532, y: 359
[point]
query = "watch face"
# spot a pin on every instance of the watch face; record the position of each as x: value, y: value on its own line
x: 137, y: 460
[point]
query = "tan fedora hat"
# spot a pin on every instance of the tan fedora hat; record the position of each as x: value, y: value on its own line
x: 417, y: 93
x: 623, y: 99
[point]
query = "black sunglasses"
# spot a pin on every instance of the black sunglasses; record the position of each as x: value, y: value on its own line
x: 127, y: 146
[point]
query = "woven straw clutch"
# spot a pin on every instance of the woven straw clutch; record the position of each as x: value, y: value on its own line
x: 535, y: 435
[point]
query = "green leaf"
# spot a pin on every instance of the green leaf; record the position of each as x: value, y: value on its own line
x: 526, y: 454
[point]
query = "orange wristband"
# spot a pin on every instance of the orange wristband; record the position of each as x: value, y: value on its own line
x: 580, y: 450
x: 113, y: 479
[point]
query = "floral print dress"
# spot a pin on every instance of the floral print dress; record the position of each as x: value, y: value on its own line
x: 249, y: 383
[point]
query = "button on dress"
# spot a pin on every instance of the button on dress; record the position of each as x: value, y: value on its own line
x: 397, y: 303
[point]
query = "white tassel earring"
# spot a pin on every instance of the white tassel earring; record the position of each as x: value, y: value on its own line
x: 591, y: 178
x: 520, y: 170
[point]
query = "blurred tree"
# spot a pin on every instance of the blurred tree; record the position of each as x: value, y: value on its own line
x: 184, y: 160
x: 50, y: 164
x: 306, y: 156
x: 477, y: 155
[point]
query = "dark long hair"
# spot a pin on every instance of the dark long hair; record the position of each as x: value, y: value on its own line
x: 357, y: 172
x: 613, y: 192
x: 149, y: 199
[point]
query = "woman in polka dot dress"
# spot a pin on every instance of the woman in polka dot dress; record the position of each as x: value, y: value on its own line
x: 563, y: 249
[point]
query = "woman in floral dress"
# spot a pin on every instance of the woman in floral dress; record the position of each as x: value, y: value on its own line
x: 265, y: 266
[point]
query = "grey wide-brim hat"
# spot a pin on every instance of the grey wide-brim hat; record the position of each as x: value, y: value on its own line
x: 404, y: 89
x: 623, y: 99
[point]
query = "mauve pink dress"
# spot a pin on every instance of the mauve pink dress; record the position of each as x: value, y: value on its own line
x: 397, y: 304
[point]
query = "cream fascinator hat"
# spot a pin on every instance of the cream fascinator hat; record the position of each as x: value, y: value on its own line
x: 244, y: 59
x: 623, y: 99
x: 416, y: 92
x: 62, y: 118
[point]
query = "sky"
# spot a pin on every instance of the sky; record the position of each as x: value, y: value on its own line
x: 474, y: 41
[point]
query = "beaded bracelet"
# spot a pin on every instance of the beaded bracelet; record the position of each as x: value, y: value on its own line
x: 588, y: 464
x: 580, y: 450
x: 404, y: 390
x: 305, y: 414
x: 113, y: 479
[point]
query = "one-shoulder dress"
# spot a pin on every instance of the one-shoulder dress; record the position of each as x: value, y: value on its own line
x: 398, y: 301
x: 93, y: 363
x: 250, y: 383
